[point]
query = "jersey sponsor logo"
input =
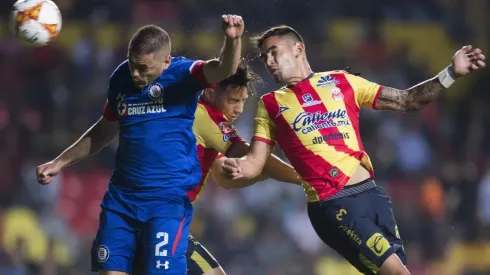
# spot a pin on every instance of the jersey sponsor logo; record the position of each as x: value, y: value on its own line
x: 155, y: 91
x: 159, y: 264
x: 350, y: 233
x: 102, y: 253
x: 330, y: 137
x: 141, y: 108
x: 282, y: 109
x: 228, y: 131
x: 327, y: 80
x: 337, y: 94
x: 378, y: 244
x: 308, y: 101
x: 307, y: 122
x: 153, y: 106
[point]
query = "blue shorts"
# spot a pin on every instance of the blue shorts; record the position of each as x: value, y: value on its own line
x: 199, y: 260
x: 163, y: 236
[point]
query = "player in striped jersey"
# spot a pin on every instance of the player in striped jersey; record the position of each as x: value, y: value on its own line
x: 213, y: 127
x: 315, y: 120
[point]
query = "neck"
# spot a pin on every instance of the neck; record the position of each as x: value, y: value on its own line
x: 208, y: 100
x: 302, y: 72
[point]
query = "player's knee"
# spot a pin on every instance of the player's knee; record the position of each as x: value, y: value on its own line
x: 215, y: 271
x: 393, y: 266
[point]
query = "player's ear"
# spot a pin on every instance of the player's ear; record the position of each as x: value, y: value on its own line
x: 299, y: 48
x: 167, y: 61
x: 208, y: 94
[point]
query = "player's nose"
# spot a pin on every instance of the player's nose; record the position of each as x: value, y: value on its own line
x: 135, y: 74
x: 271, y: 66
x: 239, y: 109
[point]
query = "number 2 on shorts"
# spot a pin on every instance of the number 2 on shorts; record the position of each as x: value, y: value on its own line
x: 158, y: 251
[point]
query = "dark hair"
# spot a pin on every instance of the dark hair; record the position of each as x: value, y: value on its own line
x: 244, y: 77
x: 281, y: 30
x: 149, y: 39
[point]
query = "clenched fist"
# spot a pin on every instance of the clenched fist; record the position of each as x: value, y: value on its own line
x: 46, y: 172
x: 231, y: 169
x: 233, y: 26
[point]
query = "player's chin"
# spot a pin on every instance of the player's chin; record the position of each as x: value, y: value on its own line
x: 139, y: 84
x: 278, y: 77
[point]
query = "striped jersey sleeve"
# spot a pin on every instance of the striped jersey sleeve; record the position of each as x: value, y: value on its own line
x: 264, y: 126
x: 366, y: 92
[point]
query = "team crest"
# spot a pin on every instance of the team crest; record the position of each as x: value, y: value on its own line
x: 334, y: 172
x: 155, y: 91
x: 337, y: 94
x: 228, y: 131
x: 226, y: 128
x: 102, y: 253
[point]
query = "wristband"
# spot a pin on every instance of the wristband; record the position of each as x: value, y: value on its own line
x: 446, y: 77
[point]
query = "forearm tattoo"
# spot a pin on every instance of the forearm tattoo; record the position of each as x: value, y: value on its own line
x: 412, y: 99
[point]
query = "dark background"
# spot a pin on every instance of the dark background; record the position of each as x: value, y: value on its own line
x: 435, y: 164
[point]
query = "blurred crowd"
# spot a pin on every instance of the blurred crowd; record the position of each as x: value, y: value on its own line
x: 434, y: 164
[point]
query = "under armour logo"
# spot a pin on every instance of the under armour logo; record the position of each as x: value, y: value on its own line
x: 159, y: 264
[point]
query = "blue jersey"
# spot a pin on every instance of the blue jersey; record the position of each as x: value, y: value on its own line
x: 157, y: 148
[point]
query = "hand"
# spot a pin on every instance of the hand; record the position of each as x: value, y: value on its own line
x: 233, y: 26
x: 467, y: 60
x: 46, y: 172
x: 231, y: 169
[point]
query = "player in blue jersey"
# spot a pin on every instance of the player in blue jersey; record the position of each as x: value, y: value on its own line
x: 151, y: 102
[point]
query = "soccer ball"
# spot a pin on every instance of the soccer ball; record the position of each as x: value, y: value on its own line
x: 36, y: 22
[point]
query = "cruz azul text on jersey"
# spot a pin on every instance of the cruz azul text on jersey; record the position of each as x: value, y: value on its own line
x: 307, y: 122
x: 151, y: 107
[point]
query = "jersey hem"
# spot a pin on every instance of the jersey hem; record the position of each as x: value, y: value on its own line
x: 268, y: 141
x: 376, y: 97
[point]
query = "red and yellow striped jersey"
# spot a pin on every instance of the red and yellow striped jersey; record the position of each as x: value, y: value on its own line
x: 316, y: 124
x: 214, y: 135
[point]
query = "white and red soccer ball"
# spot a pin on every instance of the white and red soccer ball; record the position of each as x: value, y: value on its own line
x: 36, y: 22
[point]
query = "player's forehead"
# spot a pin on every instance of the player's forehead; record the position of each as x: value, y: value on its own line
x: 236, y: 92
x: 142, y: 59
x: 275, y: 42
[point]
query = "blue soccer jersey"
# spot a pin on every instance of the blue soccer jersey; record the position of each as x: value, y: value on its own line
x: 156, y: 143
x: 156, y: 164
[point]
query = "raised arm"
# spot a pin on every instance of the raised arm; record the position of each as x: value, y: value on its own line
x: 417, y: 97
x: 226, y: 65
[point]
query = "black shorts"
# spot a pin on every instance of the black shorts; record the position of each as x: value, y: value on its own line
x: 199, y: 260
x: 358, y: 223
